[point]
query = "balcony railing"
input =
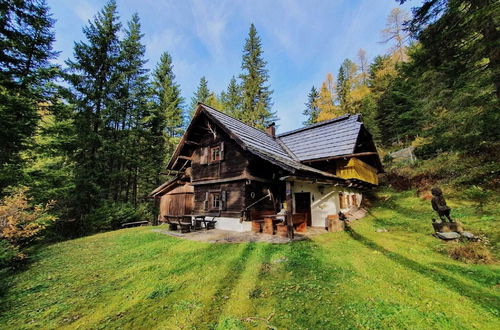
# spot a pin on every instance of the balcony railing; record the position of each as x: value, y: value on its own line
x: 357, y: 169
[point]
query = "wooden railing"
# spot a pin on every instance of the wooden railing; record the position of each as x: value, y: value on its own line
x: 357, y: 169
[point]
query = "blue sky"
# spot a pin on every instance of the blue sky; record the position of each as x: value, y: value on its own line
x: 302, y: 40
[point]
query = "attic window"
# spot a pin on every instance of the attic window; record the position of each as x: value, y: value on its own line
x: 215, y: 154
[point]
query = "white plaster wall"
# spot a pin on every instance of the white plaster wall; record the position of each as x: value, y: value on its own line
x: 326, y: 202
x: 232, y: 224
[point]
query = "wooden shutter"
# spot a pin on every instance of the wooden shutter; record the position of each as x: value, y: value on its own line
x: 221, y: 151
x: 205, y: 203
x: 223, y: 198
x: 341, y: 201
x: 204, y: 155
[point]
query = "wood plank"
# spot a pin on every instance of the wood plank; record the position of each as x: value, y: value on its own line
x: 359, y: 154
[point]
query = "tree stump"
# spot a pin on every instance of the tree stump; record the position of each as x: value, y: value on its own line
x: 281, y: 230
x: 256, y: 226
x: 301, y: 227
x: 268, y: 226
x: 334, y: 223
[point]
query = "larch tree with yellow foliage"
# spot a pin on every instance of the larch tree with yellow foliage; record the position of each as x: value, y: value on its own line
x: 326, y: 100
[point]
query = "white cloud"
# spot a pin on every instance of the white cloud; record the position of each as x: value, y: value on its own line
x: 85, y: 11
x: 210, y: 20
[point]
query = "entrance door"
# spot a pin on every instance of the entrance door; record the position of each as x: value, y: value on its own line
x: 303, y: 205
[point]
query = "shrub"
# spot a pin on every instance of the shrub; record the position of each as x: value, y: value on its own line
x: 111, y: 215
x: 20, y: 222
x: 8, y: 253
x: 478, y: 195
x: 471, y: 252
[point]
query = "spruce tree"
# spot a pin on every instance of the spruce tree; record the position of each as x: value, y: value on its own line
x: 256, y: 109
x: 201, y: 95
x: 94, y: 79
x: 26, y: 39
x: 232, y: 99
x: 312, y: 109
x: 165, y: 118
x: 123, y: 143
x: 345, y: 83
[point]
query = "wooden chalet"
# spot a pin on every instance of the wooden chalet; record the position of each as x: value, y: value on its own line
x: 240, y: 175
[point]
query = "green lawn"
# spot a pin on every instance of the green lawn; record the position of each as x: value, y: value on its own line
x: 135, y: 278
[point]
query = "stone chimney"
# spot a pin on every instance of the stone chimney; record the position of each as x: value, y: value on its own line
x: 271, y: 130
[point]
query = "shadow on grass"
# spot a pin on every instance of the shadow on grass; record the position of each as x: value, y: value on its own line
x: 308, y: 286
x: 488, y: 301
x: 480, y: 274
x: 226, y: 285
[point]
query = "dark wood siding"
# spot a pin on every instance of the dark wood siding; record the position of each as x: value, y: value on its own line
x: 233, y: 163
x: 235, y: 198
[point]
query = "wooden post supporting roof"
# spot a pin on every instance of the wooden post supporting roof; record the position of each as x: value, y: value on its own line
x: 289, y: 208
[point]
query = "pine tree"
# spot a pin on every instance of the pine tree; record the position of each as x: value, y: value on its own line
x: 167, y: 96
x: 256, y: 109
x: 94, y: 81
x: 26, y: 39
x: 232, y: 99
x: 165, y: 118
x: 312, y: 110
x: 201, y: 95
x: 124, y: 137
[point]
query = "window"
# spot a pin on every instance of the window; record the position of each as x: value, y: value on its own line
x: 215, y: 154
x: 216, y: 201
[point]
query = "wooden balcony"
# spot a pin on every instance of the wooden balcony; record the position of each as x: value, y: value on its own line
x: 357, y: 169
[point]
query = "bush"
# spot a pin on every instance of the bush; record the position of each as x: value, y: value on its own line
x: 478, y: 195
x: 111, y: 216
x: 20, y: 222
x: 471, y: 252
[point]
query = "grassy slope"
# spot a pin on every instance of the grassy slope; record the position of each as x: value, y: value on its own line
x: 135, y: 278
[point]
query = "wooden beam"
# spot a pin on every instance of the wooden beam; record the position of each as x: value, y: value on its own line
x: 234, y: 178
x: 192, y: 143
x: 359, y: 154
x: 184, y: 157
x: 289, y: 209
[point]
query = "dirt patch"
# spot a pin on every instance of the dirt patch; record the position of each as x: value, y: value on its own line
x: 226, y: 236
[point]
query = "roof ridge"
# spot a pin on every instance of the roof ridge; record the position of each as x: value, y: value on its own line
x: 280, y: 143
x: 326, y: 122
x: 225, y: 114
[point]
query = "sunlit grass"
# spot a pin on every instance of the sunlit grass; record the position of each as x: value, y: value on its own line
x: 136, y: 278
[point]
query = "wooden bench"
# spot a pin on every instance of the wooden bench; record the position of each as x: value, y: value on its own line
x: 135, y: 224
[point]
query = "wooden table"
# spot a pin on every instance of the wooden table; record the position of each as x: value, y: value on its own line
x: 202, y: 219
x: 174, y: 220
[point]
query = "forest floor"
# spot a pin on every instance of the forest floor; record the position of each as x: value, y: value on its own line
x: 137, y: 278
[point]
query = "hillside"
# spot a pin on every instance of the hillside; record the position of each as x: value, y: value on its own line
x: 136, y: 278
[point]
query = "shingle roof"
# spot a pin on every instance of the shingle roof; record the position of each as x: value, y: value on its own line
x: 330, y: 138
x: 260, y: 143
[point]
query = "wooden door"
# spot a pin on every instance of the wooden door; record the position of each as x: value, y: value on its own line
x: 303, y: 205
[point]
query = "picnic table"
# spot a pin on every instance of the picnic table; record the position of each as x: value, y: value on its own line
x: 182, y: 221
x: 202, y: 219
x: 186, y: 223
